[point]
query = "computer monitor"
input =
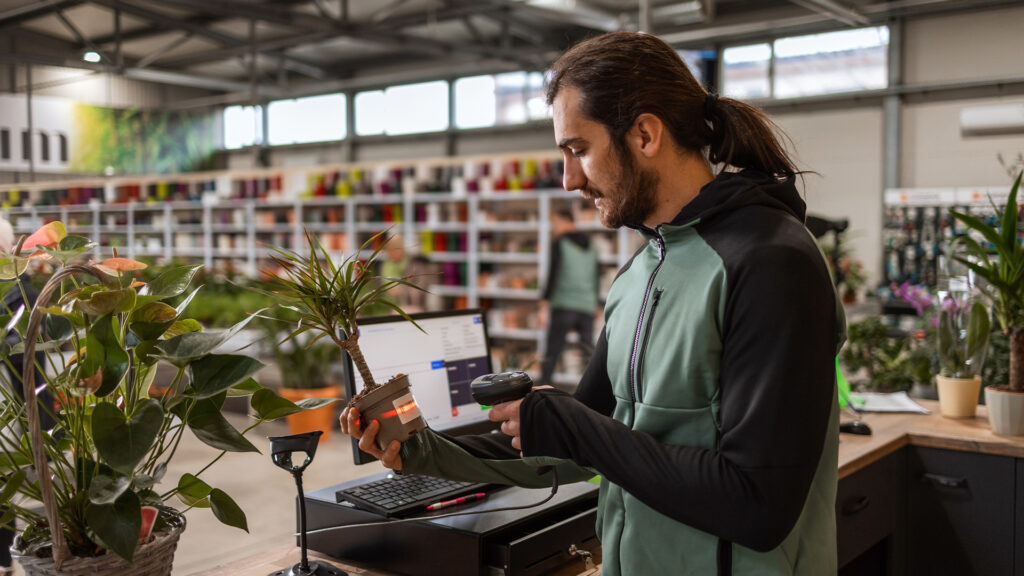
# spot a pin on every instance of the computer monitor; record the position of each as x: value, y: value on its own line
x: 441, y: 361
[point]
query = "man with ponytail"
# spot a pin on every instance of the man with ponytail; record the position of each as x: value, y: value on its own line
x: 709, y: 408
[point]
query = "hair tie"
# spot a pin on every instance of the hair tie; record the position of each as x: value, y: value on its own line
x: 710, y: 104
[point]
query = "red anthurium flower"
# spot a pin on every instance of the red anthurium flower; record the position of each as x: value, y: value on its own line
x: 114, y: 266
x: 48, y: 235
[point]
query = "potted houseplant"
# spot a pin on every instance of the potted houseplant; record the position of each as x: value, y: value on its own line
x: 1002, y: 269
x: 962, y: 335
x: 306, y: 372
x: 330, y: 298
x: 103, y: 483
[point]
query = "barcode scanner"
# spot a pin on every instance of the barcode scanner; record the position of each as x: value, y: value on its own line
x: 493, y: 389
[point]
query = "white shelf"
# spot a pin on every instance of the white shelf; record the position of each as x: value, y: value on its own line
x: 508, y: 258
x: 441, y: 227
x: 509, y: 227
x: 442, y: 290
x: 448, y: 256
x: 510, y: 293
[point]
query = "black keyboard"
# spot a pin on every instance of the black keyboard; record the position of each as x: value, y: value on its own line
x: 402, y: 494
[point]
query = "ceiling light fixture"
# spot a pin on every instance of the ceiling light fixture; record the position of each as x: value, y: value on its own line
x: 91, y: 56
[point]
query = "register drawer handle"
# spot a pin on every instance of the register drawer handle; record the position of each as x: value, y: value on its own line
x: 855, y: 505
x: 944, y: 481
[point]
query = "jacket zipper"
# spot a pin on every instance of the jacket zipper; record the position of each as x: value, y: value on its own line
x: 633, y: 360
x: 643, y: 345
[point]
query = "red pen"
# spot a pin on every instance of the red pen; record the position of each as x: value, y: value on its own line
x: 459, y: 500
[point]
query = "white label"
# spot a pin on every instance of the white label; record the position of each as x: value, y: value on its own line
x: 406, y: 408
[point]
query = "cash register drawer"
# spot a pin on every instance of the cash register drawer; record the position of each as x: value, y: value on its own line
x: 536, y: 549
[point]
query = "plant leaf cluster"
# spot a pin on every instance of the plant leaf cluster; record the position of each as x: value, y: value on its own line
x: 107, y: 337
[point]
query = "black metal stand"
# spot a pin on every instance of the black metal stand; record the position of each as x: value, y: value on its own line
x: 281, y: 448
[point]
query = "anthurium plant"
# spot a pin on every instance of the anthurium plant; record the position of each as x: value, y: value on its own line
x: 101, y: 339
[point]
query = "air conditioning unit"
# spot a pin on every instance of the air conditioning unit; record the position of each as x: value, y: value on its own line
x: 992, y: 120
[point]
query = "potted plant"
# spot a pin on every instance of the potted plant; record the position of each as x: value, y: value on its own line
x: 962, y: 336
x: 1002, y: 269
x: 103, y: 466
x: 306, y: 372
x: 330, y: 298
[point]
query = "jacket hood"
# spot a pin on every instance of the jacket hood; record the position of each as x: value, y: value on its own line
x: 732, y: 190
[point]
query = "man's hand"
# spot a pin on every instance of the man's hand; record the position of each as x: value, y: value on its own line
x: 508, y: 414
x: 368, y: 439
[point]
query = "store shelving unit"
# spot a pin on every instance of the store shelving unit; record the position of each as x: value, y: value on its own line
x: 489, y: 247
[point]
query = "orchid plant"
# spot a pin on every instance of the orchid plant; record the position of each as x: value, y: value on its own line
x: 109, y: 340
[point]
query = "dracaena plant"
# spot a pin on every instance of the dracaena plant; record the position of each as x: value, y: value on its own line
x: 107, y: 338
x: 330, y: 296
x: 999, y: 262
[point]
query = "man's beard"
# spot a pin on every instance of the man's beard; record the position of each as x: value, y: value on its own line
x: 634, y: 200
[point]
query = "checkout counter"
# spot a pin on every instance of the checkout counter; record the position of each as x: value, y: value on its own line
x: 923, y: 494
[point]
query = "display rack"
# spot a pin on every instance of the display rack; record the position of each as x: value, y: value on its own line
x: 488, y: 242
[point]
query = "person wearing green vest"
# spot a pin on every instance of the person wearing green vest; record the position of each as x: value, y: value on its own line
x: 709, y: 408
x: 571, y: 298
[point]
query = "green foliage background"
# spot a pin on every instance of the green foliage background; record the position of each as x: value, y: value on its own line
x: 134, y: 141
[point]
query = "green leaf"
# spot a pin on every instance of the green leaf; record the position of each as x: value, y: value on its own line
x: 210, y: 426
x: 225, y: 509
x: 978, y: 329
x: 314, y: 403
x: 182, y: 327
x: 117, y: 526
x: 193, y: 492
x: 69, y: 247
x: 170, y: 283
x: 269, y: 406
x: 216, y: 373
x: 104, y: 352
x: 151, y: 320
x: 12, y: 266
x: 11, y: 485
x: 182, y: 350
x: 98, y: 300
x: 58, y: 327
x: 1010, y: 216
x: 245, y: 388
x: 107, y: 488
x: 122, y: 443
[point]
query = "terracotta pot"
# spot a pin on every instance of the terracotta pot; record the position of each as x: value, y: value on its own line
x: 309, y: 420
x: 395, y: 408
x: 1005, y: 411
x: 958, y: 397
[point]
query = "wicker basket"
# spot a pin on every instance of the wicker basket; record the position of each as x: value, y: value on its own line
x: 153, y: 558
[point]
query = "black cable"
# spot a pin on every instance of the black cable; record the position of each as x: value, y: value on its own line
x: 554, y: 489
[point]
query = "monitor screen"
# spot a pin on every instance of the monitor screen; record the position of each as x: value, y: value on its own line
x: 440, y: 361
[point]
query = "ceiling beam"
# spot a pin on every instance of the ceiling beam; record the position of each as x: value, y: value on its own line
x: 294, y: 64
x: 28, y: 12
x: 834, y: 10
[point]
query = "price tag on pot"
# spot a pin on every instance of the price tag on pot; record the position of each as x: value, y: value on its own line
x: 406, y: 408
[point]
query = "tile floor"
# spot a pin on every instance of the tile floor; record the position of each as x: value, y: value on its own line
x: 265, y: 492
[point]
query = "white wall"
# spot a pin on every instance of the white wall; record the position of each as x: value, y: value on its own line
x: 844, y: 147
x: 967, y: 46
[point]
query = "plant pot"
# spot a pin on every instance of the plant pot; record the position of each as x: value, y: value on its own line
x: 1005, y: 411
x: 394, y: 407
x: 309, y: 420
x: 154, y: 558
x: 958, y: 397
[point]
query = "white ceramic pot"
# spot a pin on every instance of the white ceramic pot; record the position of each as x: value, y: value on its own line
x: 1005, y: 411
x: 958, y: 397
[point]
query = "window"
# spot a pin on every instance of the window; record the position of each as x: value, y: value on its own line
x: 827, y: 63
x: 26, y: 145
x: 833, y: 62
x: 511, y: 98
x: 745, y: 71
x: 312, y: 119
x: 63, y: 143
x: 243, y: 126
x: 5, y: 144
x: 44, y: 146
x: 408, y: 109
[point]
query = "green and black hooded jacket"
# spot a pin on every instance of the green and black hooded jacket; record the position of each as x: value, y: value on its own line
x: 709, y: 407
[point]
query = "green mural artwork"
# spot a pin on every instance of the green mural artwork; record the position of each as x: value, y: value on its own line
x: 133, y: 141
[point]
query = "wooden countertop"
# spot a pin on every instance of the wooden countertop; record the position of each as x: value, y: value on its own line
x: 890, y: 432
